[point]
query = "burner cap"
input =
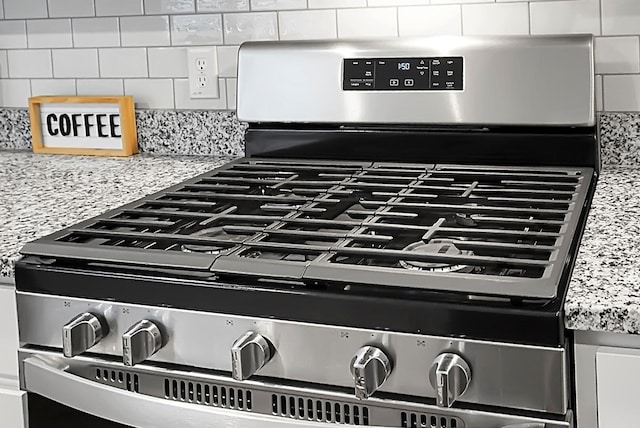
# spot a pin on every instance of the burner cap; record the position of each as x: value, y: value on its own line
x: 436, y: 246
x: 202, y: 249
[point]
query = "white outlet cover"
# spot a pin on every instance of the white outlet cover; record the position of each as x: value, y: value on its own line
x: 203, y: 72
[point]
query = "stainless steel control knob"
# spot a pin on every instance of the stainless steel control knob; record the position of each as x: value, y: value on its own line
x: 370, y: 368
x: 140, y: 342
x: 82, y: 333
x: 450, y: 376
x: 249, y: 354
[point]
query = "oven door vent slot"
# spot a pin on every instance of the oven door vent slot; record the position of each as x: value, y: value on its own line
x: 297, y: 407
x: 207, y: 394
x: 425, y: 420
x: 119, y: 378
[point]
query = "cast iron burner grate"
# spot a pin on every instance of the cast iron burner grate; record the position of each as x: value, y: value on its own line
x: 473, y: 229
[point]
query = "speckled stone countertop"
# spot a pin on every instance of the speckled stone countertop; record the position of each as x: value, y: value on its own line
x: 604, y: 293
x: 40, y: 194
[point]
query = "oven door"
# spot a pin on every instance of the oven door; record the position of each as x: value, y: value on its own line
x: 82, y: 392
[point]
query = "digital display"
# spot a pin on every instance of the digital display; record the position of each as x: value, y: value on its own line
x: 444, y: 73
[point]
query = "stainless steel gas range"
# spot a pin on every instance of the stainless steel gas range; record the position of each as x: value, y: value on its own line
x: 393, y: 251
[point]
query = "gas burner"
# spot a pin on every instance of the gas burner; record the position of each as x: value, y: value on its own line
x: 436, y: 246
x: 217, y: 232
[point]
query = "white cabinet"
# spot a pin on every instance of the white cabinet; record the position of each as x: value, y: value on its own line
x: 12, y: 408
x: 618, y: 387
x: 8, y: 333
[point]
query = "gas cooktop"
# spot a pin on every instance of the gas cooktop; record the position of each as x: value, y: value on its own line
x: 478, y: 230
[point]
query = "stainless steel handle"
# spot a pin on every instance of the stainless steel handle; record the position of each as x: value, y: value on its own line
x: 450, y: 376
x: 140, y: 342
x: 48, y: 378
x: 82, y: 333
x: 248, y: 355
x: 370, y: 368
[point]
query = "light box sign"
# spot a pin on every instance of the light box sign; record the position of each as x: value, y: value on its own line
x: 84, y: 125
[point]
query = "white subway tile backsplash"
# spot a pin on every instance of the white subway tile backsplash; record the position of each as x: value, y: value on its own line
x: 240, y: 27
x: 367, y: 23
x: 119, y: 7
x: 44, y: 87
x: 620, y: 17
x: 123, y: 62
x: 622, y: 93
x: 184, y: 101
x: 617, y: 55
x: 167, y: 62
x: 561, y: 17
x: 145, y: 31
x: 278, y: 4
x: 15, y: 92
x: 4, y: 65
x: 75, y: 63
x: 71, y: 8
x: 430, y: 20
x: 461, y: 1
x: 196, y: 30
x: 228, y: 61
x: 32, y: 63
x: 329, y: 4
x: 308, y: 25
x: 100, y: 87
x: 151, y: 93
x: 157, y: 7
x: 222, y: 5
x: 49, y: 33
x: 232, y: 87
x: 13, y: 35
x: 21, y: 9
x: 495, y: 19
x: 397, y: 2
x: 96, y: 32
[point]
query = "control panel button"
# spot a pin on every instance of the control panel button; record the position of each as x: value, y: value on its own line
x: 408, y: 82
x: 370, y: 368
x: 249, y: 354
x: 140, y: 342
x: 394, y: 82
x: 82, y: 333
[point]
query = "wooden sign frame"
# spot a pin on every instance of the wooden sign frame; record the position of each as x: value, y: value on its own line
x: 127, y: 125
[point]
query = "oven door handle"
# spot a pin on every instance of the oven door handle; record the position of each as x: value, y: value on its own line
x: 48, y: 378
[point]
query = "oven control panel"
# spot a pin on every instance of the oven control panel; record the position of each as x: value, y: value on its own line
x: 404, y: 74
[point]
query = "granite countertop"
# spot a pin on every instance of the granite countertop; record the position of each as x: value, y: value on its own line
x: 604, y: 293
x: 41, y: 194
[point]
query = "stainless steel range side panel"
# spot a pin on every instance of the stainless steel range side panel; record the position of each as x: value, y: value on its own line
x: 542, y: 80
x: 504, y: 375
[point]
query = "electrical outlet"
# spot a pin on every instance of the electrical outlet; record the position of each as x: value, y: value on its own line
x: 203, y: 72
